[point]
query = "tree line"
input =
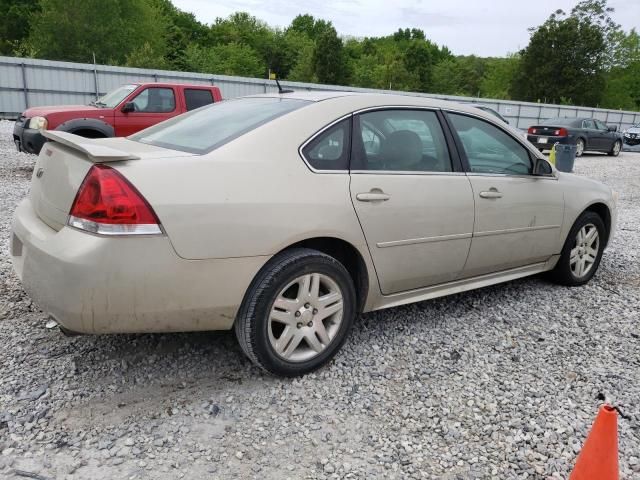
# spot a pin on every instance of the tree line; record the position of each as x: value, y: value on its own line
x: 581, y: 57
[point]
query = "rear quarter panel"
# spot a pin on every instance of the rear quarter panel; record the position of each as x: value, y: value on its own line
x: 253, y: 196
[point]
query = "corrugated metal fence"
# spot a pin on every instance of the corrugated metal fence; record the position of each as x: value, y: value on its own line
x: 28, y: 82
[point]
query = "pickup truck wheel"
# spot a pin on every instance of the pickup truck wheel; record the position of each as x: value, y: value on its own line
x: 297, y: 312
x: 87, y: 133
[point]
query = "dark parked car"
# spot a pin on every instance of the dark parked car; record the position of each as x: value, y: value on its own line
x: 632, y: 135
x: 587, y: 134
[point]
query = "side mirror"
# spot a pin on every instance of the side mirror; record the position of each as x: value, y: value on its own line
x: 542, y: 167
x: 612, y: 128
x: 128, y: 107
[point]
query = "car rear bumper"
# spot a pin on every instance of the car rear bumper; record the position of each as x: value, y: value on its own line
x: 95, y: 284
x: 27, y: 139
x: 536, y: 140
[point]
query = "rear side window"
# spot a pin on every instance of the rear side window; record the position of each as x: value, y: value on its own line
x: 197, y: 97
x: 330, y: 149
x: 489, y: 149
x: 155, y: 100
x: 400, y: 140
x: 203, y: 130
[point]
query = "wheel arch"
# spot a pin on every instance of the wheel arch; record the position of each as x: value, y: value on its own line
x: 602, y: 210
x: 86, y: 125
x: 348, y: 255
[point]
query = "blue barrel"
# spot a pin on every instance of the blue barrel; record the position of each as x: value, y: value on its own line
x: 565, y: 156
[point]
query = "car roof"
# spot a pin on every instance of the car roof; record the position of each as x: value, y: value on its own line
x: 377, y: 99
x: 169, y: 84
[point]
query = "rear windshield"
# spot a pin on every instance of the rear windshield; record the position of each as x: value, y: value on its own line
x: 207, y: 128
x: 560, y: 121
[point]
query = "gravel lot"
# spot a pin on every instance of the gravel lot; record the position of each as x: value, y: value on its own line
x: 497, y: 383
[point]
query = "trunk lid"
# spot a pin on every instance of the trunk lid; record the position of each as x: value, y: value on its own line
x: 64, y: 162
x: 546, y: 130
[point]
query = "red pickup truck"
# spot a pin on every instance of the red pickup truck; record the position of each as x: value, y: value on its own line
x: 119, y: 113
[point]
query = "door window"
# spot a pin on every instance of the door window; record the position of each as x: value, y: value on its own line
x: 197, y: 97
x: 330, y: 149
x: 601, y: 126
x: 490, y: 149
x: 400, y: 140
x: 155, y: 100
x: 588, y: 124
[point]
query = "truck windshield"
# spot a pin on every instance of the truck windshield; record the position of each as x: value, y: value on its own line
x: 114, y: 97
x: 207, y: 128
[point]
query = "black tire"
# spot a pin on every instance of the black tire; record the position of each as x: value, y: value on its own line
x: 615, y: 152
x: 252, y: 322
x: 562, y: 273
x: 584, y: 146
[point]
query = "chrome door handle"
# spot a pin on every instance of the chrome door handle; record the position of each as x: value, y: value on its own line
x: 373, y: 197
x: 491, y: 194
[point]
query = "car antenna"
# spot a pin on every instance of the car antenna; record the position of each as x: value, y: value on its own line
x: 280, y: 89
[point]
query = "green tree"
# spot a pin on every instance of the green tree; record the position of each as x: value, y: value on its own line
x: 328, y: 58
x: 498, y: 76
x: 565, y: 58
x: 15, y: 18
x: 458, y: 76
x: 112, y: 29
x: 230, y: 59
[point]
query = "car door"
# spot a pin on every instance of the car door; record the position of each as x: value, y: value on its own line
x: 152, y: 105
x: 518, y: 215
x: 594, y: 137
x: 606, y: 138
x: 414, y: 203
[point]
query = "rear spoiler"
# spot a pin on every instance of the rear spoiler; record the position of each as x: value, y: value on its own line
x: 96, y: 151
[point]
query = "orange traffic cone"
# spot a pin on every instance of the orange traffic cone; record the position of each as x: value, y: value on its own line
x: 598, y: 459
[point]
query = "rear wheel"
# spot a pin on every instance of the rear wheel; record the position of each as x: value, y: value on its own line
x: 579, y: 147
x: 615, y: 149
x: 582, y: 251
x: 297, y: 312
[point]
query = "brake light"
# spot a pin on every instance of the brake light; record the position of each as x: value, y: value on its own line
x: 532, y: 131
x: 107, y: 204
x: 560, y: 132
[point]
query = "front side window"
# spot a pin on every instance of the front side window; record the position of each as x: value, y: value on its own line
x: 400, y: 140
x: 205, y: 129
x: 601, y: 126
x: 155, y: 100
x: 113, y: 98
x: 197, y: 97
x: 330, y: 149
x: 588, y: 124
x: 489, y: 149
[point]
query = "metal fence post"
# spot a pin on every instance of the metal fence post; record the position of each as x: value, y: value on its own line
x: 24, y: 85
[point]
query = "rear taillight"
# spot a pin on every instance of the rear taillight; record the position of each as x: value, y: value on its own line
x: 560, y: 132
x: 107, y: 204
x: 532, y: 131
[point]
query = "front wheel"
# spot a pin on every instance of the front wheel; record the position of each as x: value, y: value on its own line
x: 297, y: 312
x: 615, y: 149
x: 582, y: 251
x: 579, y: 147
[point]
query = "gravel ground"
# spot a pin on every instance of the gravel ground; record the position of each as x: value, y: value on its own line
x: 502, y: 382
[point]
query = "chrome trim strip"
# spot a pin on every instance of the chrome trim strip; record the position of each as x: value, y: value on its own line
x: 413, y: 241
x: 507, y: 175
x: 514, y: 230
x: 406, y: 172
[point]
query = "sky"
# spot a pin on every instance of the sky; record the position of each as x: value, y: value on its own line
x: 479, y: 27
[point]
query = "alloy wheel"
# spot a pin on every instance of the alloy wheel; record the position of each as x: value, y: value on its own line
x: 579, y: 148
x: 585, y: 251
x: 305, y: 317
